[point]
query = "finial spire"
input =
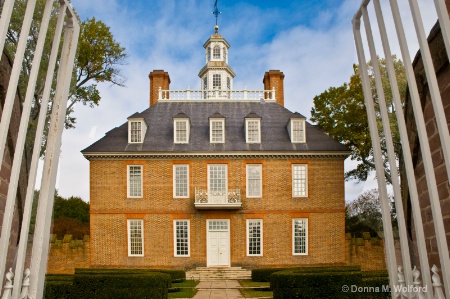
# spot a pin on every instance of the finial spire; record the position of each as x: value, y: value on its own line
x: 216, y: 13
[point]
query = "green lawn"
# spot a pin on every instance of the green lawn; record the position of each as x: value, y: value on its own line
x: 185, y: 289
x: 253, y: 289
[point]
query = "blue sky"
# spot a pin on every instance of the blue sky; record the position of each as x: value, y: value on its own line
x: 310, y: 41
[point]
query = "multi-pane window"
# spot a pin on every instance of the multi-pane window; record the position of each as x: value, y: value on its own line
x: 205, y: 83
x: 224, y: 54
x: 217, y: 81
x: 181, y: 238
x: 228, y: 83
x: 181, y: 181
x: 134, y: 180
x: 253, y: 130
x: 209, y: 53
x: 217, y: 130
x: 216, y: 52
x: 217, y: 225
x: 254, y: 237
x: 181, y: 131
x: 136, y: 131
x: 135, y: 237
x: 298, y: 131
x: 300, y: 236
x: 299, y: 180
x: 217, y: 179
x: 254, y: 178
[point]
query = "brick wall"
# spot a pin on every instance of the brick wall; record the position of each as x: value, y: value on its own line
x: 441, y: 65
x: 67, y: 254
x: 6, y: 162
x: 110, y: 209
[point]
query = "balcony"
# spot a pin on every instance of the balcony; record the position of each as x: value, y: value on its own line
x: 205, y: 199
x: 252, y: 95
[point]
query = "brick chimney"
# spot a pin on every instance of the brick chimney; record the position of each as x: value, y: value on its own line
x: 158, y: 78
x: 274, y: 79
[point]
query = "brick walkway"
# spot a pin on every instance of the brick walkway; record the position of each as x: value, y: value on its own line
x: 226, y: 289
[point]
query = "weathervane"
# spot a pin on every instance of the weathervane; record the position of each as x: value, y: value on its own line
x: 216, y: 13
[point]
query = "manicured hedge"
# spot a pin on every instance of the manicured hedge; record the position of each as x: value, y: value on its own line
x: 329, y: 282
x: 292, y: 284
x: 108, y: 284
x: 263, y: 274
x: 176, y: 275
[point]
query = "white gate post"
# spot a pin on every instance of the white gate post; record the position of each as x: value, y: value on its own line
x: 423, y: 256
x: 46, y: 196
x: 385, y: 207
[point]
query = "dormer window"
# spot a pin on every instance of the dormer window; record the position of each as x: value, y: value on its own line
x: 181, y: 128
x: 217, y: 128
x: 253, y: 128
x: 216, y: 52
x: 296, y: 129
x: 136, y: 130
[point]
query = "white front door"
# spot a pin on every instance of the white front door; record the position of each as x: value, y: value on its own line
x: 218, y: 243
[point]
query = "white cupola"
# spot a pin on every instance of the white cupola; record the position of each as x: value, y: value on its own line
x: 216, y: 74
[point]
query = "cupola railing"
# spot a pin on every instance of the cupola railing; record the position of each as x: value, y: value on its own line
x: 216, y: 94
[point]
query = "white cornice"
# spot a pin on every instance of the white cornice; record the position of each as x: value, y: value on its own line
x: 211, y: 155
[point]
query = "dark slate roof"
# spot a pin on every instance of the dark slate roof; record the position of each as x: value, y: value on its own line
x: 180, y: 115
x: 159, y: 136
x: 217, y: 115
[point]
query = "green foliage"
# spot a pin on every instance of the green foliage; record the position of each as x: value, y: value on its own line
x: 364, y: 214
x: 69, y: 226
x: 341, y: 113
x: 118, y: 285
x: 176, y: 275
x: 263, y: 274
x: 72, y: 207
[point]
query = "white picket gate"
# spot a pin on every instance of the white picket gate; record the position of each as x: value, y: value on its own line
x: 29, y: 283
x: 404, y: 275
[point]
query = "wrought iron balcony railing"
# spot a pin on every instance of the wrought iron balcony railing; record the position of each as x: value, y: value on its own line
x: 230, y: 199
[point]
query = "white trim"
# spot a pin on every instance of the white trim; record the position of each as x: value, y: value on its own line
x: 306, y: 236
x: 129, y: 237
x: 306, y: 180
x: 291, y: 131
x: 211, y: 120
x: 247, y: 120
x: 215, y: 100
x: 128, y: 181
x: 261, y: 237
x: 226, y: 176
x: 175, y: 237
x: 188, y: 129
x: 207, y: 241
x: 247, y: 182
x: 174, y: 181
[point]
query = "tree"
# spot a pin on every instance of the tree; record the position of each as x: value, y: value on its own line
x: 72, y: 207
x: 364, y: 214
x: 341, y: 113
x: 99, y: 57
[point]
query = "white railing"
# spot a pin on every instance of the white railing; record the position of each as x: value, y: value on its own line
x: 407, y: 277
x: 232, y: 196
x: 216, y: 94
x: 29, y: 283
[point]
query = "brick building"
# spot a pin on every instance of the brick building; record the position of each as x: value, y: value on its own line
x: 216, y: 177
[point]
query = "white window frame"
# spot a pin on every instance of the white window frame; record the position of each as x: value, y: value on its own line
x: 248, y: 237
x: 216, y: 52
x: 226, y: 176
x: 142, y: 130
x: 248, y: 183
x: 175, y: 139
x: 217, y: 79
x: 297, y: 179
x: 175, y: 238
x: 306, y: 236
x: 298, y: 138
x: 247, y: 121
x: 129, y: 237
x: 211, y: 121
x: 129, y: 182
x: 175, y: 166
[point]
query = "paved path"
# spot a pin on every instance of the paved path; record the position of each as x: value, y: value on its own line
x: 225, y: 289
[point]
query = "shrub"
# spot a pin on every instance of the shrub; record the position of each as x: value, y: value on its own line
x: 68, y: 226
x: 176, y: 275
x: 263, y: 274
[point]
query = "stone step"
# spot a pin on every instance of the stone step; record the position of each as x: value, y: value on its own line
x: 218, y: 273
